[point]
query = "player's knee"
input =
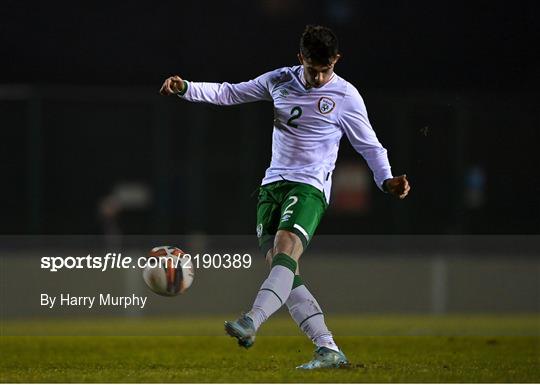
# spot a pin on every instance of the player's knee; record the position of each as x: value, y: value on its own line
x: 288, y: 243
x: 269, y: 256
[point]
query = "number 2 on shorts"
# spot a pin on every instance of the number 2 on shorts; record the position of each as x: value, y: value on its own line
x: 288, y: 207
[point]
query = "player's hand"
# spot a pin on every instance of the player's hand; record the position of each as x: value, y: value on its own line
x: 398, y: 186
x: 172, y: 85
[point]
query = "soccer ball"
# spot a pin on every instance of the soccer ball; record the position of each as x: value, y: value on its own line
x: 168, y: 271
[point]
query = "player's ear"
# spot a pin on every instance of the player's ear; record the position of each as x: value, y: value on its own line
x: 336, y: 59
x: 300, y: 58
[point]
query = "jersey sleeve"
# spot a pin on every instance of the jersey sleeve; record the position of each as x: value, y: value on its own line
x: 355, y: 124
x: 227, y: 94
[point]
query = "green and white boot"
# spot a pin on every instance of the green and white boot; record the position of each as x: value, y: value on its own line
x: 243, y: 330
x: 326, y: 358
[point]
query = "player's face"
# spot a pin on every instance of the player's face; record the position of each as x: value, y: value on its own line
x: 317, y: 75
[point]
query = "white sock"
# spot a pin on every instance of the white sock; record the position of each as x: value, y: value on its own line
x: 308, y: 315
x: 274, y: 291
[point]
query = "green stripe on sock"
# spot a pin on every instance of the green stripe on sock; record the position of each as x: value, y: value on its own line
x: 297, y: 281
x: 284, y: 260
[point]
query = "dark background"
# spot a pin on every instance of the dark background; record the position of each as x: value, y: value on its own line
x: 450, y: 88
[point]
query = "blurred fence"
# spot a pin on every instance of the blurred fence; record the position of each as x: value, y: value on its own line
x: 69, y: 148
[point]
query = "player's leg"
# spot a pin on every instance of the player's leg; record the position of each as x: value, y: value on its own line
x: 303, y: 209
x: 302, y: 305
x: 306, y: 311
x: 278, y: 285
x: 299, y: 217
x: 273, y: 206
x: 268, y: 215
x: 308, y: 315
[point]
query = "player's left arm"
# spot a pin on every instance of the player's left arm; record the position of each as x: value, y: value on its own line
x: 355, y: 123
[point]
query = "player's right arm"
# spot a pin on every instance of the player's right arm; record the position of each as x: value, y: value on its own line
x: 224, y: 94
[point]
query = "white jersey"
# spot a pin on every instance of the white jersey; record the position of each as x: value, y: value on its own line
x: 308, y: 124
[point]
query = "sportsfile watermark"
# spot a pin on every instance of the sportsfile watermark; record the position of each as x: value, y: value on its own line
x: 97, y: 285
x: 113, y: 260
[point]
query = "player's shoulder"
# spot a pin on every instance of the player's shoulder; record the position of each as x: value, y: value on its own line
x: 351, y: 94
x: 283, y: 75
x: 349, y: 89
x: 277, y: 77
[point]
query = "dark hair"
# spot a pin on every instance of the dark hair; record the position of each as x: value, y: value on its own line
x: 318, y: 44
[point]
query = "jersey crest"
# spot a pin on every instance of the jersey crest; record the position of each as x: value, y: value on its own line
x: 326, y: 105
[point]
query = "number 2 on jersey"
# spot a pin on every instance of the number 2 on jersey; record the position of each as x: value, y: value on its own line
x: 296, y: 112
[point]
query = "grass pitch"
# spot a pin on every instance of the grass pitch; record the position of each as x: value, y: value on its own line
x: 381, y: 349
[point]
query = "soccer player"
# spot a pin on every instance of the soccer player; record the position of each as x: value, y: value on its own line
x: 313, y: 108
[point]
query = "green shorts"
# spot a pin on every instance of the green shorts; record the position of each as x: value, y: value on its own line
x: 292, y: 206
